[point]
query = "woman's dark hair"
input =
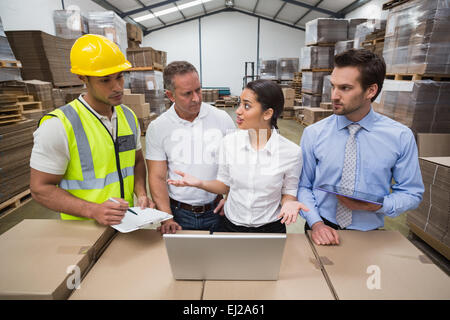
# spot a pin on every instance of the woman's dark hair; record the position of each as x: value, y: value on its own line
x: 372, y: 68
x: 269, y: 95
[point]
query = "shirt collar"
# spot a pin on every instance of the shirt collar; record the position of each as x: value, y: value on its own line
x: 271, y: 145
x: 202, y: 113
x: 366, y: 122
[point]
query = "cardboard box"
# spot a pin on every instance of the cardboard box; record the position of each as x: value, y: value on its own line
x: 326, y: 30
x: 136, y: 266
x: 141, y: 57
x: 312, y: 81
x: 43, y: 57
x: 433, y: 144
x: 36, y: 255
x: 288, y: 103
x: 288, y: 93
x: 133, y: 99
x: 432, y: 214
x: 300, y: 278
x: 326, y: 105
x: 312, y: 115
x: 309, y: 100
x: 381, y: 265
x: 141, y: 110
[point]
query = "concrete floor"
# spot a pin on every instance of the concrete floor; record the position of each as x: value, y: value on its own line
x: 288, y: 128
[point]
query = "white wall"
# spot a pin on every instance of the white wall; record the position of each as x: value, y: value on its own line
x: 371, y: 10
x: 180, y: 42
x: 278, y: 41
x: 37, y: 14
x: 228, y: 40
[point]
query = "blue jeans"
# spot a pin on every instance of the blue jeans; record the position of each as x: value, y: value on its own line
x: 189, y: 220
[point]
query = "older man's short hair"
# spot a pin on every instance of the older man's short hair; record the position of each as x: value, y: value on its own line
x: 176, y: 68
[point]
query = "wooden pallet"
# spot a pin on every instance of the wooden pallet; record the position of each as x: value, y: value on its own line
x: 10, y: 64
x: 416, y: 76
x: 25, y: 98
x: 15, y: 202
x: 372, y: 42
x: 30, y: 106
x: 6, y: 98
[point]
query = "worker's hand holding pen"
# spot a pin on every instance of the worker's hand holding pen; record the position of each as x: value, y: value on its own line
x: 110, y: 212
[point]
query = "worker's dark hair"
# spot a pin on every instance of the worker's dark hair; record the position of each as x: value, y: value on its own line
x: 174, y: 68
x: 372, y: 68
x: 269, y: 95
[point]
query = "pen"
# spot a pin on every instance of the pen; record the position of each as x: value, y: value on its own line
x: 114, y: 200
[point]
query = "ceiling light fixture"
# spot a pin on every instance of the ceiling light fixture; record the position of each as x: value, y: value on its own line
x: 229, y: 3
x: 170, y: 10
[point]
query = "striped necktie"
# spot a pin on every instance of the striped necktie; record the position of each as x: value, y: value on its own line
x: 344, y: 214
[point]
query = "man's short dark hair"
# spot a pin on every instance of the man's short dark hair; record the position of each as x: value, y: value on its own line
x: 371, y: 67
x: 176, y: 68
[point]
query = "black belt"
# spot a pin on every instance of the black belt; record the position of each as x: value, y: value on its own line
x: 197, y: 209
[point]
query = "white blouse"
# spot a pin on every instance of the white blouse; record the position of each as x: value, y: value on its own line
x: 257, y: 178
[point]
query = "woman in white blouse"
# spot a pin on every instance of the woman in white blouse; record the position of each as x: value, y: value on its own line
x: 258, y: 168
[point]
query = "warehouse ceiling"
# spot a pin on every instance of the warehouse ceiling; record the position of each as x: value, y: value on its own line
x: 153, y: 15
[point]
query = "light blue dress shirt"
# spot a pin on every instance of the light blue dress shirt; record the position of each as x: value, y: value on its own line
x: 386, y: 151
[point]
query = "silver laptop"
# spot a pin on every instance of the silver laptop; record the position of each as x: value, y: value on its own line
x: 225, y: 256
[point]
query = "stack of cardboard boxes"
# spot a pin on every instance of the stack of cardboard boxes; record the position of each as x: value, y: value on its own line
x: 10, y: 66
x: 15, y: 148
x: 34, y: 97
x: 289, y: 97
x: 134, y: 36
x: 150, y: 83
x: 317, y: 63
x: 137, y: 103
x: 317, y: 58
x: 268, y: 69
x: 147, y: 57
x: 417, y: 39
x: 210, y: 95
x: 421, y: 105
x: 374, y: 42
x: 372, y: 29
x: 69, y: 24
x: 110, y: 25
x: 431, y: 220
x: 286, y: 67
x: 326, y: 31
x: 44, y: 57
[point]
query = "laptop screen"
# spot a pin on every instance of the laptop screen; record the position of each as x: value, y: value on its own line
x: 225, y: 256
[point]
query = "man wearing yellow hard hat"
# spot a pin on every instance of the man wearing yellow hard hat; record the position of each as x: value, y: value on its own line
x: 89, y: 150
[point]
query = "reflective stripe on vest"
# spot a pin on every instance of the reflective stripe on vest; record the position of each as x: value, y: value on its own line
x: 99, y: 167
x: 87, y: 166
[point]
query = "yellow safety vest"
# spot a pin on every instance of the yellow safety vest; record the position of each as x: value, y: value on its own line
x: 99, y: 168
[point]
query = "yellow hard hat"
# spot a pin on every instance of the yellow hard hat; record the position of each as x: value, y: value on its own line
x: 95, y: 55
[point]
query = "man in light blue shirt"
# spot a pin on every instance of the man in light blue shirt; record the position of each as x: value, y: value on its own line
x: 386, y: 154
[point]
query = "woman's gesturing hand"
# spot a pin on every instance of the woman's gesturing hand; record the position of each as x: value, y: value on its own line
x: 289, y: 211
x: 186, y: 181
